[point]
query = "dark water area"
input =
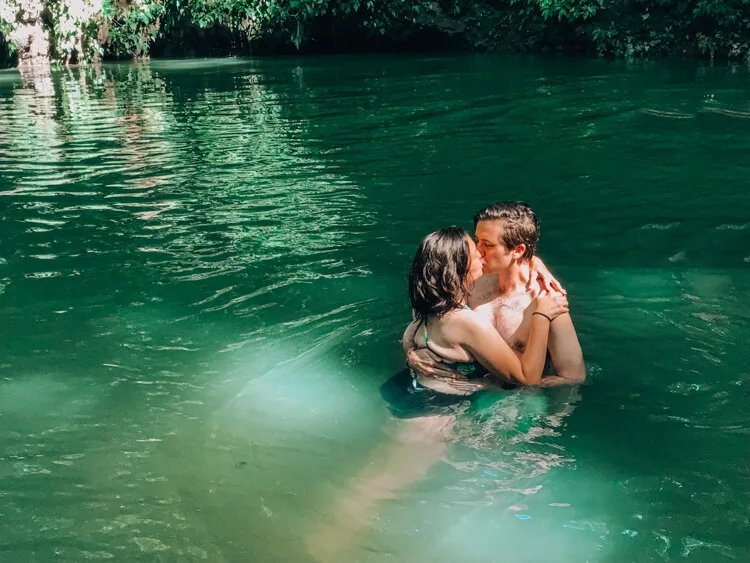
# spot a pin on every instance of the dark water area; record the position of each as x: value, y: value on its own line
x: 203, y: 287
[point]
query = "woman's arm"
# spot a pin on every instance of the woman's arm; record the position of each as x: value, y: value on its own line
x: 489, y: 348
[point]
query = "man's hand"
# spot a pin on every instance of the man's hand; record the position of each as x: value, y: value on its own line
x: 425, y: 362
x: 547, y: 282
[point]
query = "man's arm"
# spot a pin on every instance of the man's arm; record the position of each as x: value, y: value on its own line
x: 565, y: 353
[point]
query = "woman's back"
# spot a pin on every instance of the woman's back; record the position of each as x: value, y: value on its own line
x: 446, y: 337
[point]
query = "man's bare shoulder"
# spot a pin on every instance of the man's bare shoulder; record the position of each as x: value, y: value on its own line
x: 484, y: 291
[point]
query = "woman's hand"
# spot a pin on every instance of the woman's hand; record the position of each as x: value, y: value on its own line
x: 540, y: 273
x: 551, y: 305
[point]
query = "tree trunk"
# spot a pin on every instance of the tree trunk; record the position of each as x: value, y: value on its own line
x: 29, y: 34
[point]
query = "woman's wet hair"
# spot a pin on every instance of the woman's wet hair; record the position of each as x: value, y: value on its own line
x: 440, y: 266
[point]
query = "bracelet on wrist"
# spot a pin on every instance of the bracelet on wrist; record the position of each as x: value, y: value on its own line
x: 542, y: 315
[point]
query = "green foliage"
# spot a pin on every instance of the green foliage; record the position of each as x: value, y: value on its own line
x: 72, y: 27
x: 567, y: 10
x: 293, y: 18
x: 85, y: 29
x: 636, y: 28
x: 8, y: 11
x: 131, y: 28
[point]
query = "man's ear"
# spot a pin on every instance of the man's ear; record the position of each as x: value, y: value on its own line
x: 518, y: 251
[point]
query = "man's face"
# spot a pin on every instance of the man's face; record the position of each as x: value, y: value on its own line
x: 497, y: 257
x: 476, y: 262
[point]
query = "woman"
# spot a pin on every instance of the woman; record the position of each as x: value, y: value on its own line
x: 442, y: 275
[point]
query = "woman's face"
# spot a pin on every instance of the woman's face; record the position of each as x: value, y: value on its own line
x: 476, y: 263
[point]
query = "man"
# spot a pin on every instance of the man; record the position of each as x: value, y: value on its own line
x: 507, y: 235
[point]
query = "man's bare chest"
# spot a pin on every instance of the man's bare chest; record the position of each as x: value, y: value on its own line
x: 511, y: 318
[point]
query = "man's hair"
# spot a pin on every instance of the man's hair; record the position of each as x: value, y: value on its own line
x: 520, y: 225
x: 438, y: 271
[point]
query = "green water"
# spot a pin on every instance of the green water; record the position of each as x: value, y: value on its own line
x: 202, y: 289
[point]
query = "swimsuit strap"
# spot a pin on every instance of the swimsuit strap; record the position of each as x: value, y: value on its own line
x: 422, y: 322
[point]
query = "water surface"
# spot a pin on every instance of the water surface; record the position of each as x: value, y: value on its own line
x: 202, y: 289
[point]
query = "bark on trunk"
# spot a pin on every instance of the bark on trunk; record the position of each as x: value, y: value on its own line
x: 29, y: 34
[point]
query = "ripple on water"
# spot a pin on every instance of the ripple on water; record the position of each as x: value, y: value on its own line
x: 690, y: 544
x: 683, y: 388
x: 660, y: 226
x: 97, y: 555
x: 197, y: 552
x: 150, y: 545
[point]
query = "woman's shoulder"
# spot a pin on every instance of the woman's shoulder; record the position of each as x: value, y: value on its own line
x: 468, y: 320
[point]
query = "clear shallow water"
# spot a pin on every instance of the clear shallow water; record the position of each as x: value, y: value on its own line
x: 202, y: 288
